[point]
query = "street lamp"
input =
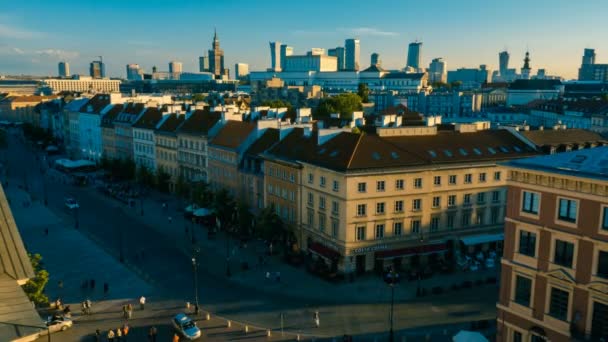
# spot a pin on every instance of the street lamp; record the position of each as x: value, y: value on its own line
x: 76, y: 218
x: 391, y: 278
x: 418, y: 288
x: 195, y: 274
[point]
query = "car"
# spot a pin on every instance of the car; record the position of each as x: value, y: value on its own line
x: 71, y: 203
x: 186, y: 326
x: 58, y: 323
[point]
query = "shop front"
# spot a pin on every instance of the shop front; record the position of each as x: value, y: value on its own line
x: 323, y: 259
x: 413, y: 257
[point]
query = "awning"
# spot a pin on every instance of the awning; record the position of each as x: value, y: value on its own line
x: 323, y: 251
x: 417, y: 250
x: 202, y: 212
x: 483, y: 238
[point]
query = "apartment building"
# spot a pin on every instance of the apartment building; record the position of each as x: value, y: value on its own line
x: 89, y: 127
x: 403, y: 197
x: 124, y: 131
x: 193, y: 138
x: 144, y: 145
x: 21, y: 108
x: 554, y: 281
x: 108, y: 136
x: 165, y: 136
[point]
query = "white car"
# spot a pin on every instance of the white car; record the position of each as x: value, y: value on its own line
x: 186, y: 326
x: 58, y: 323
x: 71, y: 203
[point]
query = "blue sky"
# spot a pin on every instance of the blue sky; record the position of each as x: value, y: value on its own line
x: 35, y: 35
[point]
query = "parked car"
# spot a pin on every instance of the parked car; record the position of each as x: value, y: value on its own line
x: 186, y: 326
x: 71, y: 203
x: 57, y: 323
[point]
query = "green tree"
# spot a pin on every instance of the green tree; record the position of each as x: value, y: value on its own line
x: 441, y: 85
x: 198, y: 97
x: 455, y: 84
x: 202, y: 195
x: 277, y: 103
x: 268, y: 224
x: 363, y: 92
x: 224, y: 207
x: 245, y: 219
x: 34, y: 288
x: 345, y: 104
x: 144, y: 176
x: 181, y: 187
x: 162, y: 180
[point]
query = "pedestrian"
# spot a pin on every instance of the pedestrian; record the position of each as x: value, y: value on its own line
x: 118, y: 334
x: 106, y: 288
x: 97, y: 335
x: 92, y: 283
x: 124, y: 312
x: 84, y: 307
x: 278, y: 276
x: 175, y: 337
x: 153, y: 333
x: 110, y: 335
x: 125, y: 331
x: 196, y: 309
x: 267, y: 275
x: 89, y: 304
x: 315, y: 316
x: 60, y: 284
x: 129, y: 311
x: 142, y: 302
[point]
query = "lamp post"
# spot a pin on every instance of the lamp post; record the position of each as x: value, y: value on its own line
x: 392, y: 278
x: 195, y: 276
x: 418, y: 288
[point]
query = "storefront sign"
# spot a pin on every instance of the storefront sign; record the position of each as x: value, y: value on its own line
x: 369, y: 249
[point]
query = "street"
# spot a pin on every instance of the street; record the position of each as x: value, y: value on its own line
x: 153, y: 257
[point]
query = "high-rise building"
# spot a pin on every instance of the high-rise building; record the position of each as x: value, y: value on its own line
x: 317, y: 51
x: 503, y: 62
x: 352, y: 54
x: 216, y: 57
x: 375, y: 59
x: 134, y: 72
x: 589, y: 57
x: 438, y: 71
x: 285, y: 51
x: 554, y: 268
x: 97, y: 69
x: 203, y: 64
x: 414, y: 54
x: 525, y: 70
x: 241, y: 70
x: 589, y: 71
x: 64, y: 69
x: 275, y: 56
x: 175, y: 67
x: 340, y: 53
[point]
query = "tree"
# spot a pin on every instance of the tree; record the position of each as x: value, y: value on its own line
x: 245, y: 219
x: 277, y: 103
x: 201, y: 194
x: 268, y: 224
x: 34, y: 288
x: 455, y: 84
x: 144, y: 176
x: 198, y: 97
x: 224, y: 207
x: 441, y: 85
x: 162, y: 180
x: 363, y: 92
x: 356, y: 130
x: 181, y: 187
x: 345, y: 104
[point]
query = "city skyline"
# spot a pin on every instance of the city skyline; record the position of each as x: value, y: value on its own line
x: 33, y: 43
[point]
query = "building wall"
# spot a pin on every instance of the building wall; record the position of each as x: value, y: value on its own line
x: 283, y: 192
x: 124, y: 140
x: 108, y: 142
x: 193, y: 157
x: 97, y: 85
x: 523, y: 97
x: 90, y: 140
x: 223, y: 170
x: 144, y: 148
x: 166, y: 156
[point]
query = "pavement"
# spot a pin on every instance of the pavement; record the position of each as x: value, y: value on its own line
x: 146, y: 255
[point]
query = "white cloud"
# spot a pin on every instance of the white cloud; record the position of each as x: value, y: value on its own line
x: 57, y: 53
x: 368, y: 31
x: 8, y: 32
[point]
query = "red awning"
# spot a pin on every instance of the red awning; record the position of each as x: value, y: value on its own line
x: 323, y: 251
x: 418, y: 250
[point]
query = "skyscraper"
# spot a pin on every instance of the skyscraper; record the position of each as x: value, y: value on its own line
x: 216, y: 57
x: 203, y: 64
x: 241, y: 70
x: 134, y: 72
x: 275, y: 56
x: 589, y: 71
x: 438, y: 71
x: 503, y: 62
x: 352, y: 54
x: 64, y: 69
x: 97, y: 69
x: 375, y: 59
x: 285, y: 51
x: 175, y: 67
x: 589, y: 57
x: 414, y: 54
x: 340, y: 53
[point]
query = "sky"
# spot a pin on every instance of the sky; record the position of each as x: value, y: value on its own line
x: 35, y: 35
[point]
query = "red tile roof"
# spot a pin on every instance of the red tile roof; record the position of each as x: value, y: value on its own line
x: 149, y: 118
x: 233, y: 134
x: 269, y: 138
x: 96, y: 104
x: 200, y: 122
x: 108, y: 119
x: 550, y: 137
x: 171, y: 123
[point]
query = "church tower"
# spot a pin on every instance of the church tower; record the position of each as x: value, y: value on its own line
x: 525, y: 71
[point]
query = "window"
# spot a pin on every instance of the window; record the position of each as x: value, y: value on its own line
x: 336, y: 186
x: 379, y: 231
x: 564, y: 253
x: 311, y: 198
x: 311, y: 218
x: 494, y: 215
x: 481, y: 197
x: 322, y: 181
x: 437, y: 180
x: 397, y: 228
x: 415, y: 226
x: 449, y: 220
x: 335, y: 207
x: 482, y: 177
x: 496, y: 196
x: 466, y: 218
x: 434, y: 223
x: 335, y: 225
x: 468, y: 178
x: 479, y: 218
x: 361, y: 210
x: 523, y: 290
x: 380, y: 208
x: 321, y: 202
x: 467, y: 199
x: 517, y: 336
x: 416, y: 204
x: 311, y: 178
x: 451, y: 200
x: 399, y: 184
x: 599, y: 321
x: 602, y: 264
x: 605, y: 218
x: 362, y: 187
x: 360, y: 233
x: 418, y: 183
x: 527, y: 243
x: 530, y: 202
x: 380, y: 186
x: 322, y: 222
x: 567, y: 210
x: 452, y: 179
x: 558, y: 304
x: 497, y: 175
x: 436, y: 202
x: 399, y: 206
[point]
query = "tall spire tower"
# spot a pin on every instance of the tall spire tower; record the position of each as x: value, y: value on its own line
x: 525, y: 71
x: 216, y: 57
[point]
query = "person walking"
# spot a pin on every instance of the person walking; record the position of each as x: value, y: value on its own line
x: 106, y: 288
x: 175, y: 337
x: 315, y: 317
x: 110, y: 335
x: 118, y: 334
x: 97, y: 335
x: 124, y: 312
x: 142, y: 302
x: 125, y: 331
x: 92, y: 284
x: 152, y: 334
x: 129, y: 311
x: 169, y: 219
x: 89, y: 304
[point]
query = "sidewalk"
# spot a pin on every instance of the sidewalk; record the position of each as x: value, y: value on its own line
x: 295, y: 282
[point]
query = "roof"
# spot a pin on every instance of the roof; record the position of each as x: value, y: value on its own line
x: 562, y: 137
x: 534, y: 84
x: 76, y: 104
x: 200, y: 122
x: 171, y: 123
x: 97, y: 103
x: 110, y: 115
x: 374, y: 68
x: 587, y: 163
x: 130, y: 113
x: 560, y: 106
x: 32, y: 98
x: 16, y: 308
x: 404, y: 75
x: 233, y: 134
x: 149, y: 119
x: 269, y: 138
x: 14, y: 261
